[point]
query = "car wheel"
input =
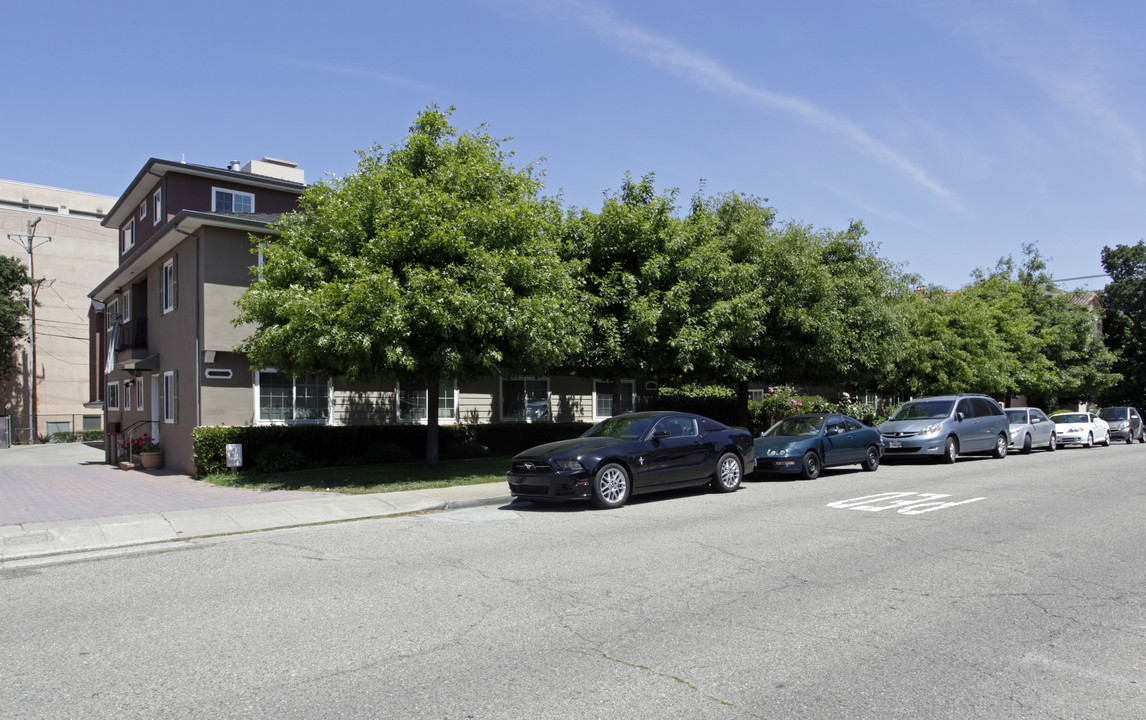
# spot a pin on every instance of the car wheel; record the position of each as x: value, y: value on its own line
x: 1106, y: 442
x: 729, y: 472
x: 1130, y: 439
x: 871, y: 462
x: 1026, y: 445
x: 811, y: 469
x: 611, y: 487
x: 1000, y: 451
x: 950, y: 451
x: 1089, y: 440
x: 1053, y: 445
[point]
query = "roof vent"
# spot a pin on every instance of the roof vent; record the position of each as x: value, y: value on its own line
x: 234, y: 165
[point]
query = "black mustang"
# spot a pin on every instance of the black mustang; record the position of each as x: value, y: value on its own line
x: 632, y: 454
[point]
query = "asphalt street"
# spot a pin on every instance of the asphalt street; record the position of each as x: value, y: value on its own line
x: 989, y: 589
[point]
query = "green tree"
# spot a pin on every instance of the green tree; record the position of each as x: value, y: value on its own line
x: 434, y: 259
x: 1124, y: 300
x: 13, y: 311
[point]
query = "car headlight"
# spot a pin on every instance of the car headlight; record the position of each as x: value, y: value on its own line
x: 931, y: 429
x: 568, y: 465
x: 777, y: 452
x: 1122, y: 425
x: 1015, y: 432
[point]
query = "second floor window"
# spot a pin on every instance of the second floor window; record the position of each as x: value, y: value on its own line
x: 157, y: 201
x: 127, y: 236
x: 232, y: 201
x: 170, y: 286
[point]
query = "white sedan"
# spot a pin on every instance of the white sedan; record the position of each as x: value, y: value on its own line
x: 1081, y: 428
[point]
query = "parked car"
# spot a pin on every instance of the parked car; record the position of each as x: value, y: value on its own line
x: 1031, y: 428
x: 1081, y: 428
x: 946, y: 427
x: 632, y: 454
x: 807, y: 443
x: 1125, y: 423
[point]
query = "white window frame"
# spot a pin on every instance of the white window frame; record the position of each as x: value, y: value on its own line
x: 525, y: 412
x: 169, y: 290
x: 451, y: 387
x: 217, y: 191
x: 143, y: 210
x: 169, y: 408
x: 260, y: 420
x: 110, y: 312
x: 127, y: 394
x: 632, y: 396
x: 127, y: 236
x: 126, y: 305
x: 139, y: 385
x: 157, y: 206
x: 112, y: 396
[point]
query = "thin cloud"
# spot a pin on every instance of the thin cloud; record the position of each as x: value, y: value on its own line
x: 1043, y: 45
x: 711, y: 75
x: 353, y: 72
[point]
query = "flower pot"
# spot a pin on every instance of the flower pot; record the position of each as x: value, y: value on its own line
x: 151, y: 460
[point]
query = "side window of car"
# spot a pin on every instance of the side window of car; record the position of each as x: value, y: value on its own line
x: 1039, y: 415
x: 965, y: 408
x: 850, y: 426
x: 983, y: 407
x: 835, y: 428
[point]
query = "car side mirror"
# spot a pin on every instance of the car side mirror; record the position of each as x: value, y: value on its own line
x: 959, y: 416
x: 661, y: 435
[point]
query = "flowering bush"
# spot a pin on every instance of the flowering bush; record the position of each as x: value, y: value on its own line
x: 141, y: 444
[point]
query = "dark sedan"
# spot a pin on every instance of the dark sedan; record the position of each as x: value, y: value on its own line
x: 632, y: 454
x: 807, y: 443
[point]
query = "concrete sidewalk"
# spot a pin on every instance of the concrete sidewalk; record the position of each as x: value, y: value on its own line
x: 184, y: 510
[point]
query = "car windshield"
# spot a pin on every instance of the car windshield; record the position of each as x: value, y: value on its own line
x: 1114, y: 413
x: 1071, y: 418
x: 809, y: 426
x: 923, y: 410
x: 626, y: 427
x: 1017, y: 416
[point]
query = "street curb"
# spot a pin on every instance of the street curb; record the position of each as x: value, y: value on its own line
x: 439, y: 506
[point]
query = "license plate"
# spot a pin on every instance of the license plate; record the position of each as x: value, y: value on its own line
x: 894, y: 444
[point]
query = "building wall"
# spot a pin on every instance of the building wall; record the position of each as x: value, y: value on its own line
x: 79, y: 250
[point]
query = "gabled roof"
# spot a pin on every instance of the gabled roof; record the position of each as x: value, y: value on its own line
x: 187, y: 222
x: 139, y: 188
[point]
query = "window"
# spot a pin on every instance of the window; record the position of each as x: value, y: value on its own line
x: 127, y: 394
x: 282, y: 399
x: 170, y: 400
x: 169, y: 288
x: 603, y: 398
x: 412, y: 403
x: 232, y: 201
x: 756, y: 394
x: 525, y: 400
x: 157, y: 210
x: 59, y: 426
x: 92, y: 422
x: 127, y: 236
x: 143, y: 210
x: 112, y: 397
x: 127, y: 306
x: 139, y: 394
x: 110, y: 312
x: 678, y: 427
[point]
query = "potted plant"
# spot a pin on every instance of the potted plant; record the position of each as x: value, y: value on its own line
x: 150, y: 456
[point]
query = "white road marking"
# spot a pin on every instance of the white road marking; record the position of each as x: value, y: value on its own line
x: 905, y: 503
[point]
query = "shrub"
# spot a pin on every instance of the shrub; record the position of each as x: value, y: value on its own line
x: 278, y: 459
x: 715, y: 401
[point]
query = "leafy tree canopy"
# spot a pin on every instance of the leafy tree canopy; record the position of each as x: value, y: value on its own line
x: 13, y: 311
x: 1124, y: 299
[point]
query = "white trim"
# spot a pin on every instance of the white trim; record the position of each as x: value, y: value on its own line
x: 632, y: 396
x: 169, y: 296
x: 111, y: 402
x: 127, y: 236
x: 442, y: 420
x: 139, y: 386
x: 259, y: 420
x: 170, y: 408
x: 126, y: 305
x: 156, y: 206
x: 216, y: 191
x: 218, y: 374
x: 143, y: 210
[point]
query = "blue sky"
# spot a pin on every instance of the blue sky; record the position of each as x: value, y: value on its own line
x: 956, y: 131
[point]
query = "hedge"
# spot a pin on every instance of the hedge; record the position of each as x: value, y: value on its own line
x: 281, y: 447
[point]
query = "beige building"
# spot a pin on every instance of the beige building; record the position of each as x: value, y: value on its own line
x: 69, y: 248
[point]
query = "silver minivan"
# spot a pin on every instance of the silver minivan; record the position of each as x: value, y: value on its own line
x: 946, y: 427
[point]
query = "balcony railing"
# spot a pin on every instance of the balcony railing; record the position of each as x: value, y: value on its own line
x: 132, y: 335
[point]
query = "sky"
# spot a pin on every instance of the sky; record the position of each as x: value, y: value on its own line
x: 957, y: 132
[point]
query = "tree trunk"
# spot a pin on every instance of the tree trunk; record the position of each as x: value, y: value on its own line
x: 432, y: 389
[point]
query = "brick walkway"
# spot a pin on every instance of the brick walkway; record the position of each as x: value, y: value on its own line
x: 50, y: 483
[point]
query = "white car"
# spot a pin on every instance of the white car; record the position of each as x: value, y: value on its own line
x: 1080, y: 428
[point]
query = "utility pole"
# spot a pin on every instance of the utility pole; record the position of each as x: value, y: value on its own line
x: 29, y: 244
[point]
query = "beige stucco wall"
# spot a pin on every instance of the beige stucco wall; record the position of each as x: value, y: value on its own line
x: 79, y: 250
